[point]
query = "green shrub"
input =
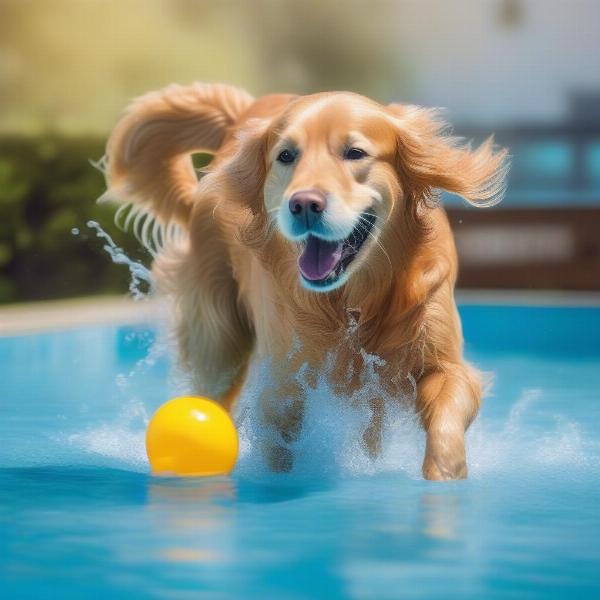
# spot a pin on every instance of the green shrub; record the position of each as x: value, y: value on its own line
x: 47, y: 188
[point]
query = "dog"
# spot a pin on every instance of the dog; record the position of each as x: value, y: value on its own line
x: 315, y: 210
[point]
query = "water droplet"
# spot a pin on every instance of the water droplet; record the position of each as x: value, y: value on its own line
x: 140, y: 275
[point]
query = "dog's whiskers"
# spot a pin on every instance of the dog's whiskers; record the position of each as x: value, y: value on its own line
x: 363, y: 223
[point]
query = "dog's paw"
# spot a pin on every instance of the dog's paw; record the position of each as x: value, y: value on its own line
x: 372, y: 441
x: 443, y: 469
x: 280, y: 459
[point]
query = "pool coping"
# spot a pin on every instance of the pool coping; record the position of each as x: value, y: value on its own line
x: 510, y: 297
x: 53, y: 315
x: 56, y: 315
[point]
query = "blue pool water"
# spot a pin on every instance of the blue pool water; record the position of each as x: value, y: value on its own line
x: 81, y: 518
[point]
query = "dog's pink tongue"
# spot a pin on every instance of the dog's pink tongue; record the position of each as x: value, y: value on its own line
x: 319, y: 258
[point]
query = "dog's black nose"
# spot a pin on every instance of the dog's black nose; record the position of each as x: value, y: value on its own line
x: 307, y: 206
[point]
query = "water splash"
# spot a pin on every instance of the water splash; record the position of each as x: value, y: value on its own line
x: 139, y: 273
x: 331, y: 440
x: 501, y: 447
x: 330, y: 443
x: 120, y: 442
x: 112, y: 446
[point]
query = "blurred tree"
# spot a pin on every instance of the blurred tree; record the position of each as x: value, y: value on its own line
x: 68, y: 68
x: 47, y: 189
x: 314, y: 46
x: 72, y: 66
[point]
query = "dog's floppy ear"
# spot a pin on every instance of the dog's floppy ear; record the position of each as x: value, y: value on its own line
x: 429, y: 159
x: 149, y: 152
x: 243, y: 175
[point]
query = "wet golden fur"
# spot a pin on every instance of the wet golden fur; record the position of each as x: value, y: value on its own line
x: 236, y: 281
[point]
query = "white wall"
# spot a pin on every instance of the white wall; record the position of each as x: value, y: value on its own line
x: 462, y: 58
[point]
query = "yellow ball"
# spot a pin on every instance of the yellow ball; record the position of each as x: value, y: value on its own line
x: 193, y: 437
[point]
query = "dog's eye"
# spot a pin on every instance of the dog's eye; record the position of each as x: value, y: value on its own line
x: 354, y: 154
x: 286, y: 157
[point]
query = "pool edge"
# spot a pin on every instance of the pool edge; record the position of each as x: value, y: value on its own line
x: 59, y: 315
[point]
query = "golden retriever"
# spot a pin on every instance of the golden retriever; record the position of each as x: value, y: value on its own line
x: 314, y: 211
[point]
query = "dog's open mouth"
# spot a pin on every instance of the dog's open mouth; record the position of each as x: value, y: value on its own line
x: 323, y: 262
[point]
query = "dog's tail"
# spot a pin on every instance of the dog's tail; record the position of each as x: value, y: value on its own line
x: 148, y: 159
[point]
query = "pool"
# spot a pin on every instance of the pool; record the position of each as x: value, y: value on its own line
x: 81, y: 518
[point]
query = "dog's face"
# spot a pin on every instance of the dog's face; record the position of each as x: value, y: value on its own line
x: 333, y: 172
x: 330, y: 184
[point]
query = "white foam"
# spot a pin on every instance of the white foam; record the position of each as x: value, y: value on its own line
x: 330, y: 443
x: 111, y: 446
x: 517, y: 446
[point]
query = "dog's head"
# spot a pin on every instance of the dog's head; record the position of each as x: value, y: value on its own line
x: 342, y: 178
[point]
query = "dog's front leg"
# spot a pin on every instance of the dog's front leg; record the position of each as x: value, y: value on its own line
x: 447, y: 400
x: 373, y: 433
x: 283, y: 412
